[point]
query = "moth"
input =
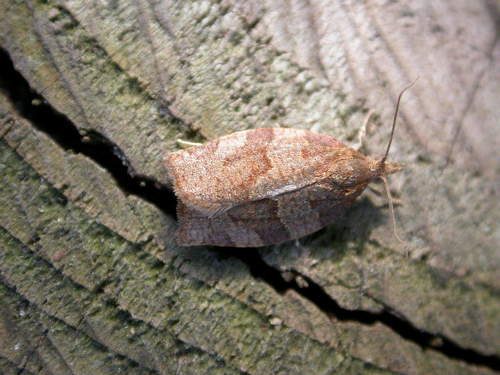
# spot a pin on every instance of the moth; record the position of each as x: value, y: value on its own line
x: 268, y: 185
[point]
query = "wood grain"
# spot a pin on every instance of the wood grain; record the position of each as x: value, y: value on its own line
x: 85, y: 263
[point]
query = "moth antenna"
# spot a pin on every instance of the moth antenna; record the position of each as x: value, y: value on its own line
x: 382, y: 162
x: 391, y: 208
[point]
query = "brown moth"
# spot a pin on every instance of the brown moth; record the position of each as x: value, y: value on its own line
x: 265, y: 186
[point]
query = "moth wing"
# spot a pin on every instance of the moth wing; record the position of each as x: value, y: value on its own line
x: 219, y: 211
x: 249, y: 166
x: 268, y: 221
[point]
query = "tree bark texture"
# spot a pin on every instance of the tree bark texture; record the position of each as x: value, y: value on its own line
x: 91, y: 281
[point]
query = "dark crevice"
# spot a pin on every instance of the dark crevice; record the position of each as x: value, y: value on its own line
x: 313, y: 292
x: 89, y: 142
x: 96, y: 147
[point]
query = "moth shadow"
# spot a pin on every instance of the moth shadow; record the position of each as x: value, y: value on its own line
x: 346, y: 236
x: 356, y: 225
x: 210, y: 264
x: 225, y: 265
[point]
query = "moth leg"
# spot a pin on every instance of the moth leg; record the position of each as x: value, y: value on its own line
x: 378, y: 192
x: 186, y: 144
x: 362, y: 132
x: 397, y: 201
x: 315, y: 128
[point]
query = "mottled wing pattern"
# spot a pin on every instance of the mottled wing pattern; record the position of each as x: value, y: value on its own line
x: 250, y: 166
x: 267, y: 221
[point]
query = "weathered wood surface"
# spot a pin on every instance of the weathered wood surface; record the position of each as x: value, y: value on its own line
x: 90, y: 280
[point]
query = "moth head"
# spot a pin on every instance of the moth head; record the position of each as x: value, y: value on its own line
x: 355, y: 169
x: 381, y: 168
x: 390, y: 168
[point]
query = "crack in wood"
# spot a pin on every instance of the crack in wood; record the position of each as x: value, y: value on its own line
x: 388, y: 317
x: 102, y: 151
x: 89, y: 143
